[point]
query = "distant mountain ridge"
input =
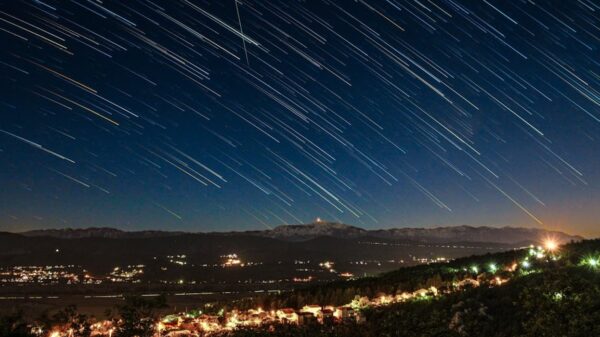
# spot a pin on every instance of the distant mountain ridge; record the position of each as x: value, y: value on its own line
x: 451, y: 234
x: 504, y: 235
x: 97, y: 232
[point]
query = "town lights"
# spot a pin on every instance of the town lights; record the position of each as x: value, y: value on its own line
x: 493, y: 268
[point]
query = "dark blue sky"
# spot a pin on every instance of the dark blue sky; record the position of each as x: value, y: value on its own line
x: 182, y: 115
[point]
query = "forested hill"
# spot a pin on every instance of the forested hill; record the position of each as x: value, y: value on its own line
x: 441, y: 275
x: 553, y: 293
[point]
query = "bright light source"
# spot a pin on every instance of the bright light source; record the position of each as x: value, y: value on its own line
x: 550, y: 245
x: 558, y: 296
x: 493, y: 267
x: 526, y: 264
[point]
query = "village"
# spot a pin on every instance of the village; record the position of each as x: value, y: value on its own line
x: 199, y: 324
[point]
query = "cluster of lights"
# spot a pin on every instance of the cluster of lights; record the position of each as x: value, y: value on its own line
x: 127, y: 274
x: 231, y: 260
x: 327, y: 265
x: 177, y: 259
x: 549, y: 248
x: 41, y: 274
x: 303, y: 279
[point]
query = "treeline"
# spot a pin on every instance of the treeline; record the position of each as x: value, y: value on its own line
x: 136, y: 317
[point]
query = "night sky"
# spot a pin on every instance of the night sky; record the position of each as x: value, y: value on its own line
x: 222, y: 115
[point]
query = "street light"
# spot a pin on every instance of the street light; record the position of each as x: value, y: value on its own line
x: 551, y: 245
x: 160, y: 327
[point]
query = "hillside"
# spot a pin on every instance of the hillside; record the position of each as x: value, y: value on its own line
x: 528, y: 292
x: 537, y: 291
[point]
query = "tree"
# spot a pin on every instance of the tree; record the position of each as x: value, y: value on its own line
x: 138, y: 316
x: 77, y: 324
x: 14, y: 325
x: 470, y: 318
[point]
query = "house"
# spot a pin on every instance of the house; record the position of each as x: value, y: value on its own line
x: 306, y: 318
x: 344, y: 313
x: 360, y: 318
x: 313, y: 309
x: 326, y: 316
x: 287, y: 315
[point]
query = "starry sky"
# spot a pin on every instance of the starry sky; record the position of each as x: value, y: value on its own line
x: 235, y: 115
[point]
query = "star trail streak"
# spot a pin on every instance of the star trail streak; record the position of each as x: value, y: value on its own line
x: 215, y: 115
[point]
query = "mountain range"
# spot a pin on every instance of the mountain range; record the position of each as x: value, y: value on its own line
x: 451, y: 234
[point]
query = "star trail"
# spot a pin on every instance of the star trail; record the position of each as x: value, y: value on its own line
x: 244, y: 114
